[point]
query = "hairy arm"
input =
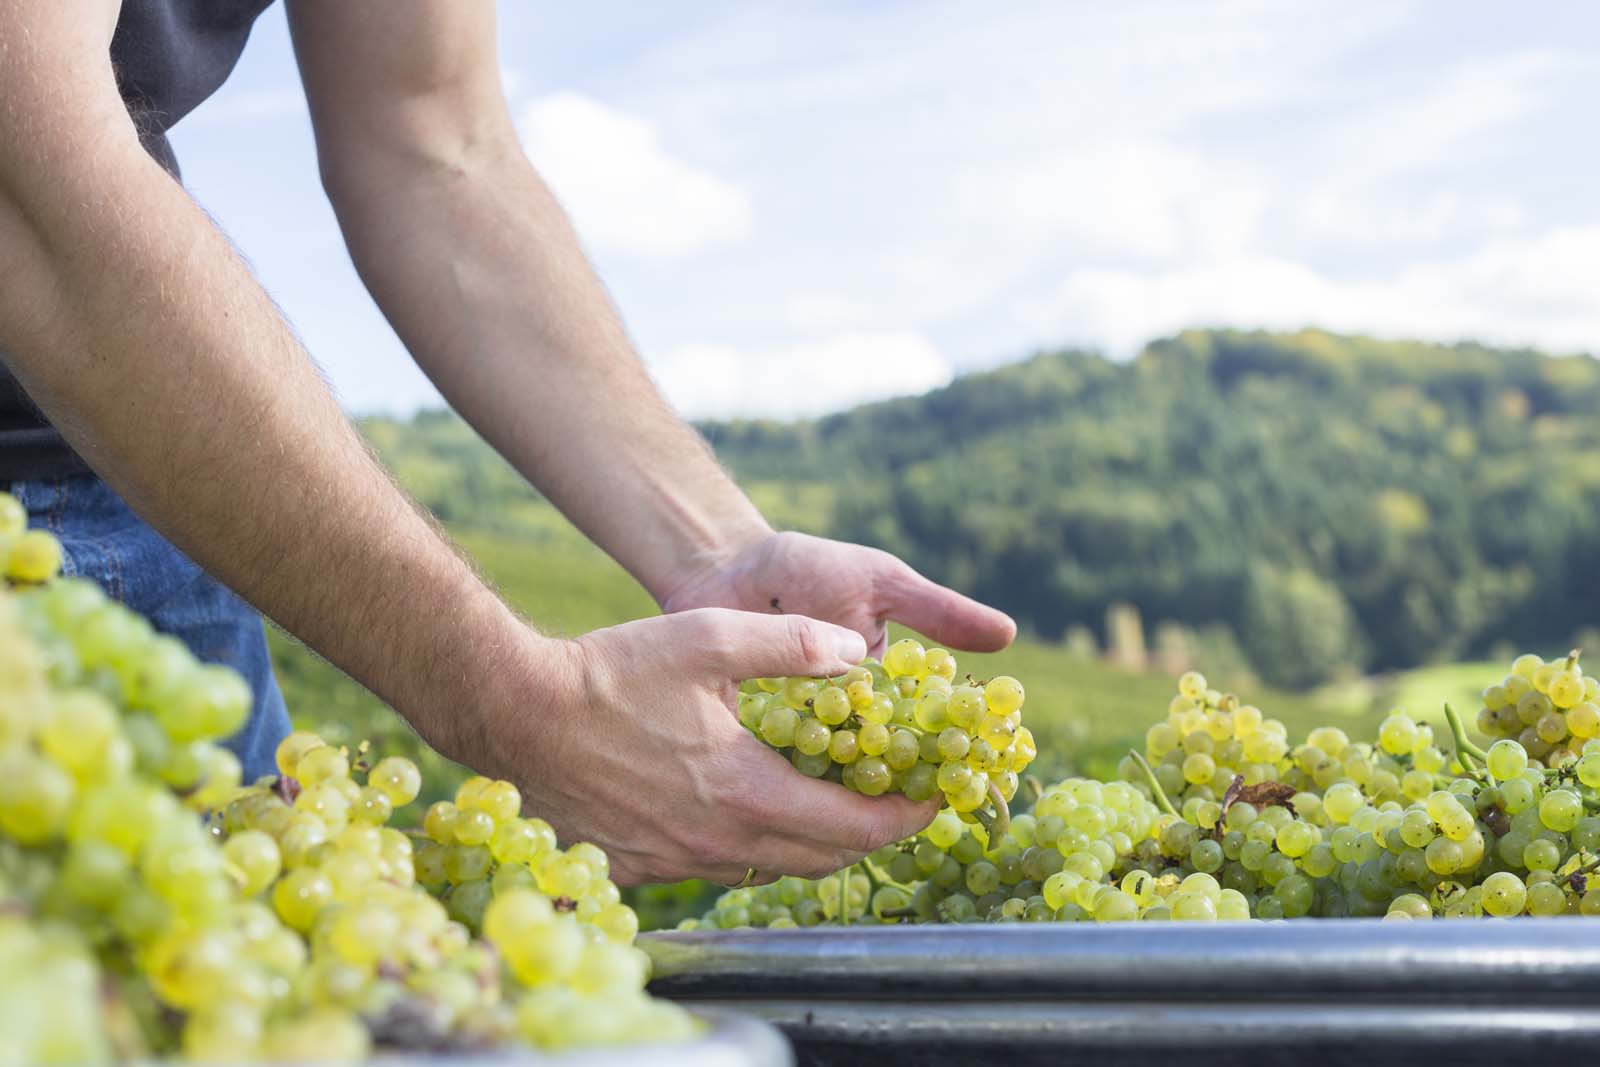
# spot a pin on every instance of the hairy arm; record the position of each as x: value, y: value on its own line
x: 131, y: 322
x: 139, y: 332
x: 476, y: 265
x: 474, y: 262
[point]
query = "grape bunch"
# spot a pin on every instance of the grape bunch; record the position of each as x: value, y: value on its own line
x: 1221, y: 817
x: 847, y: 896
x: 153, y: 906
x: 904, y: 725
x: 1549, y: 708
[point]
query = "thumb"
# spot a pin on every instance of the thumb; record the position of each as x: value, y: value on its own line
x: 751, y: 645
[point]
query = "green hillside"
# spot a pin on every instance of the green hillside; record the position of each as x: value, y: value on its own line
x: 1321, y: 507
x: 1335, y: 502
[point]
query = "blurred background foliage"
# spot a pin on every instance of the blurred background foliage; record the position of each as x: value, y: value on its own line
x: 1328, y: 525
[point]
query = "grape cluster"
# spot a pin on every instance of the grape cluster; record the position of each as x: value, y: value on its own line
x: 1221, y: 817
x: 49, y: 995
x: 902, y: 725
x: 1549, y: 708
x: 847, y: 896
x: 281, y: 921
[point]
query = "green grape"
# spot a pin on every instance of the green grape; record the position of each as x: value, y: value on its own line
x: 778, y: 726
x: 965, y: 707
x: 811, y: 737
x: 1503, y: 894
x: 1003, y: 695
x: 35, y: 797
x: 1546, y: 899
x: 1541, y: 855
x: 1297, y: 838
x: 1560, y: 810
x: 1206, y: 856
x: 752, y: 706
x: 1588, y: 770
x: 812, y: 766
x: 831, y: 706
x: 95, y: 873
x: 903, y: 750
x: 1443, y: 855
x: 872, y: 776
x: 932, y: 711
x: 211, y: 702
x: 904, y: 658
x: 1113, y: 905
x: 1193, y: 907
x: 798, y: 693
x: 255, y: 860
x: 843, y: 746
x: 1507, y: 759
x: 873, y: 739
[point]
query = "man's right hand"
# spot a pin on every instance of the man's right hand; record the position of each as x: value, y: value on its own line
x: 628, y: 737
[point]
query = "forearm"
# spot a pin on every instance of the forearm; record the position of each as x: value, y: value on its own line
x: 138, y: 331
x: 479, y: 270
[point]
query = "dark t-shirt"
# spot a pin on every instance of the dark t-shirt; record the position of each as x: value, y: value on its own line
x: 169, y: 56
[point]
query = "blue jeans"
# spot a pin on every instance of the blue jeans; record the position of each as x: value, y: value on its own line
x: 107, y: 543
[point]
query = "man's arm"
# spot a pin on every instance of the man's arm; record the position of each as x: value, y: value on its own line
x: 474, y: 262
x: 136, y: 329
x: 476, y: 265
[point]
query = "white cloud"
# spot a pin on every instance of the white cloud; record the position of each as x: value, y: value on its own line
x: 1538, y: 291
x: 1446, y: 125
x: 1133, y: 197
x: 806, y: 378
x: 625, y: 192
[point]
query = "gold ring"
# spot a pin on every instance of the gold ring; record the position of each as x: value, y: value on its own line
x: 747, y: 881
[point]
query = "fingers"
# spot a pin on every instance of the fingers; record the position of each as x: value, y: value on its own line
x: 740, y: 645
x: 810, y: 827
x: 944, y: 615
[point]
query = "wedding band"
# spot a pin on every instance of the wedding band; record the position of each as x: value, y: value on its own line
x: 748, y: 880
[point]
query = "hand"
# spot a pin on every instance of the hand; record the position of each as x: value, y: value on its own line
x: 851, y: 585
x: 636, y: 746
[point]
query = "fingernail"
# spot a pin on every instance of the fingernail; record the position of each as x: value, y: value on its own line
x: 850, y: 646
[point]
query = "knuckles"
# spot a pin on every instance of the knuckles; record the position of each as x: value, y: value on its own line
x: 805, y: 640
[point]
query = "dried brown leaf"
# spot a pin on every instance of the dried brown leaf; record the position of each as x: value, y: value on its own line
x: 1267, y: 794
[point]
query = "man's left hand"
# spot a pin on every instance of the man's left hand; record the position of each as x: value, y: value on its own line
x: 849, y: 585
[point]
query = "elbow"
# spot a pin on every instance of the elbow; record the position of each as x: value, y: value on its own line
x: 412, y: 161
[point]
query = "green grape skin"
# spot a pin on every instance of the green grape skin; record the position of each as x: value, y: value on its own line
x: 811, y: 737
x: 778, y: 726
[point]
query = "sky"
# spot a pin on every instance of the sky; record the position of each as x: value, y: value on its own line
x: 799, y: 207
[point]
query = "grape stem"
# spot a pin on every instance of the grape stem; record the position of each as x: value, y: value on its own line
x: 876, y: 879
x: 995, y: 823
x: 1155, y: 787
x: 1034, y: 787
x: 907, y: 912
x: 1464, y: 747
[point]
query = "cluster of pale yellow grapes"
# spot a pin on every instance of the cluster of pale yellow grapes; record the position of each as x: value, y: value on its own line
x: 151, y: 906
x: 1223, y: 817
x: 1549, y: 708
x: 903, y: 725
x: 27, y: 556
x: 1207, y: 739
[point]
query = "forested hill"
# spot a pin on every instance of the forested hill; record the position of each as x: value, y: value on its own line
x: 1332, y: 501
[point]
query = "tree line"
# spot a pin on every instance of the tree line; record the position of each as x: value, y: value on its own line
x: 1328, y: 503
